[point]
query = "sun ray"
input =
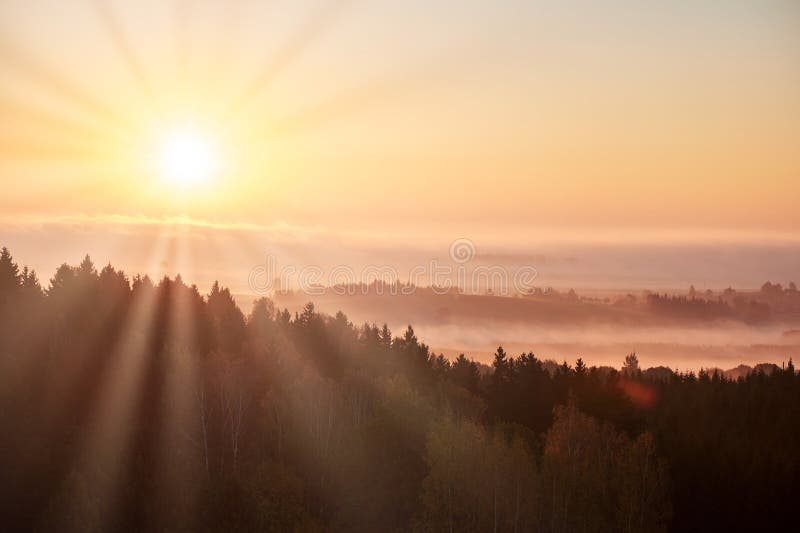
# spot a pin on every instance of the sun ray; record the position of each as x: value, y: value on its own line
x: 52, y: 121
x: 125, y: 50
x: 308, y: 33
x: 81, y: 391
x: 110, y: 431
x: 364, y: 97
x: 52, y: 81
x: 229, y: 26
x: 181, y: 372
x: 181, y: 13
x: 76, y: 151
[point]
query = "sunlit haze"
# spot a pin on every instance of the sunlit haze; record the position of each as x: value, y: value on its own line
x: 421, y: 265
x: 521, y: 117
x: 622, y: 147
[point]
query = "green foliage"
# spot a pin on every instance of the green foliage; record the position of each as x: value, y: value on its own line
x: 129, y: 405
x: 478, y: 480
x: 599, y: 479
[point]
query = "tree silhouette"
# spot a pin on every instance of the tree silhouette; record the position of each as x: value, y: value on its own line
x: 130, y: 405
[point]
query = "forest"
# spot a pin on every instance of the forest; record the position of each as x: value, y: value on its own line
x: 132, y: 404
x: 771, y: 304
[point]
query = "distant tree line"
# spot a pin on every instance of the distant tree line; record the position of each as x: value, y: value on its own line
x: 697, y: 308
x: 133, y: 405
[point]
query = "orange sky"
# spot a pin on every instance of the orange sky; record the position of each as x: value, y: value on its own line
x: 413, y: 121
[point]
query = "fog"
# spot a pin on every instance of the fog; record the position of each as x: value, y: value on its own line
x: 608, y: 268
x: 205, y: 252
x: 720, y: 344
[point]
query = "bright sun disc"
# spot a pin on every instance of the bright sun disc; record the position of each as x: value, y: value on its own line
x: 188, y: 158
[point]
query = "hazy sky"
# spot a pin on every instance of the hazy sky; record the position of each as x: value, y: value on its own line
x: 406, y: 122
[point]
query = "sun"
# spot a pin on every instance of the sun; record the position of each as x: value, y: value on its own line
x: 188, y: 157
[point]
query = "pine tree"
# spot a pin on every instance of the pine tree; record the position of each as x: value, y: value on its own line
x: 30, y: 282
x: 9, y: 272
x: 631, y: 367
x: 86, y: 269
x: 385, y: 337
x: 409, y: 338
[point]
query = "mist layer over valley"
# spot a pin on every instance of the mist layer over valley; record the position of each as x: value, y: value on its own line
x: 685, y: 331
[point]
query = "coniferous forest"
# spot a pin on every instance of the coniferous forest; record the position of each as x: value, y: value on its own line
x: 131, y: 404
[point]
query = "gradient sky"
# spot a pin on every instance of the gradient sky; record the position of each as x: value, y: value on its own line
x: 513, y: 123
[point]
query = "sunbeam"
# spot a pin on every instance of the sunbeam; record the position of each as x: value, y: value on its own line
x: 19, y: 115
x: 370, y: 96
x: 110, y: 434
x: 306, y: 35
x: 399, y: 266
x: 126, y: 51
x: 52, y: 81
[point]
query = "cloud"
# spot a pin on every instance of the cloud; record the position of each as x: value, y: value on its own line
x: 131, y: 224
